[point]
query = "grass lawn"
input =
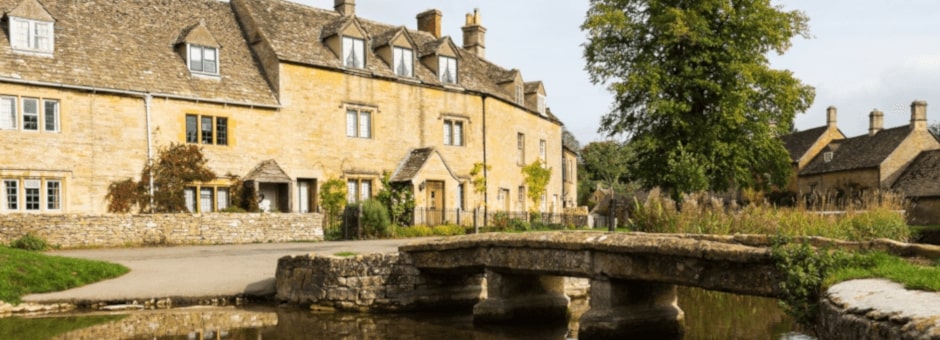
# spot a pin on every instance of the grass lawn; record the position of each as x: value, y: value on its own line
x: 25, y: 272
x: 919, y: 276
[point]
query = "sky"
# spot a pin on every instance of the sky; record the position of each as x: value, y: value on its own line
x: 863, y: 54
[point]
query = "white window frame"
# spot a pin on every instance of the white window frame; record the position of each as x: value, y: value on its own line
x: 32, y: 194
x: 403, y: 61
x: 46, y: 115
x: 358, y: 190
x: 541, y: 104
x: 354, y: 55
x: 543, y: 151
x: 359, y: 123
x: 520, y: 95
x: 447, y: 69
x: 39, y: 36
x: 16, y: 194
x: 202, y: 59
x: 53, y: 195
x: 34, y: 115
x: 520, y: 149
x: 9, y: 102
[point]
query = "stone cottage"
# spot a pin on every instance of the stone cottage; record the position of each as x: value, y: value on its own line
x: 283, y: 95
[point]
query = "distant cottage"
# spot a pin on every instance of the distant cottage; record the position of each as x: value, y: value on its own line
x: 900, y: 158
x: 284, y: 95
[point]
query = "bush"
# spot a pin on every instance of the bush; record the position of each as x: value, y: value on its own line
x: 375, y: 220
x: 30, y: 242
x: 449, y: 230
x: 234, y: 209
x: 415, y: 231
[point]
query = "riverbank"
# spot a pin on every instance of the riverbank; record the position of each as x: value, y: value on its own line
x: 878, y: 309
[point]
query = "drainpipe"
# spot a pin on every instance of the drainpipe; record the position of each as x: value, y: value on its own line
x: 147, y: 100
x: 485, y: 164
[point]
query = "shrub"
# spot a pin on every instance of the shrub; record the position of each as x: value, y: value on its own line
x: 804, y: 269
x: 415, y: 231
x: 375, y: 220
x: 30, y: 242
x: 449, y: 230
x: 518, y: 224
x: 234, y: 209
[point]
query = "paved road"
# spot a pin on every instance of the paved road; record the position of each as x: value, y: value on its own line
x: 197, y: 271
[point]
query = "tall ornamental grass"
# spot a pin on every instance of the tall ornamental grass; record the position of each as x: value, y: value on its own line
x: 874, y: 215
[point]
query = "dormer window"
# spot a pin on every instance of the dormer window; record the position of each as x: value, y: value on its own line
x: 31, y: 35
x: 353, y: 52
x: 447, y: 69
x: 541, y: 104
x: 827, y: 157
x: 403, y: 62
x: 203, y: 59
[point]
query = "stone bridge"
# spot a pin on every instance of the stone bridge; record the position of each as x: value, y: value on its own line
x: 632, y: 276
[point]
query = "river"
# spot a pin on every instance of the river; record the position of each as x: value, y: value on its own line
x: 708, y: 315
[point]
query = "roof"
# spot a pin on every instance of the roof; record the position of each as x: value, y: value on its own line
x: 411, y: 166
x: 268, y: 172
x: 798, y: 143
x: 922, y: 177
x: 862, y: 152
x: 129, y: 46
x: 294, y: 33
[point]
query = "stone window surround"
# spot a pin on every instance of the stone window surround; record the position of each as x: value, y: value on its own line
x: 520, y: 149
x: 403, y: 56
x: 354, y: 128
x: 49, y: 187
x: 356, y: 190
x: 446, y: 63
x: 45, y: 121
x: 451, y: 126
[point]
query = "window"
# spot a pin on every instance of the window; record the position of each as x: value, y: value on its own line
x: 521, y: 198
x: 520, y: 149
x: 544, y: 200
x: 11, y: 193
x: 827, y: 157
x: 210, y: 198
x: 542, y: 154
x: 353, y: 52
x: 32, y: 187
x: 31, y: 35
x: 50, y: 110
x: 358, y: 123
x: 203, y: 59
x: 447, y: 69
x: 403, y: 61
x: 453, y: 132
x: 358, y: 190
x: 541, y: 104
x: 7, y: 113
x: 53, y: 195
x: 31, y: 114
x: 200, y: 130
x: 520, y: 96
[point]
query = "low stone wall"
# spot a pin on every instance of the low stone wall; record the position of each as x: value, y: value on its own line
x: 74, y: 231
x: 878, y: 309
x: 374, y: 282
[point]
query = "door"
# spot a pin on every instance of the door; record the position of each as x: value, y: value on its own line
x: 307, y: 195
x: 435, y: 202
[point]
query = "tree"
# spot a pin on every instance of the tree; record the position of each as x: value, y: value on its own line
x: 177, y: 166
x: 607, y: 162
x: 398, y: 199
x: 694, y: 91
x: 479, y: 180
x: 333, y: 198
x: 536, y: 180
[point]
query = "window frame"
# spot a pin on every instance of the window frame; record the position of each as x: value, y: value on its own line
x: 451, y: 137
x: 400, y: 59
x: 53, y: 198
x: 190, y: 62
x: 196, y: 205
x: 520, y: 149
x: 520, y: 94
x: 35, y: 115
x: 32, y: 195
x: 14, y: 112
x: 540, y: 103
x: 56, y: 126
x: 355, y: 192
x: 359, y: 56
x: 195, y: 133
x: 356, y: 117
x: 34, y: 40
x: 7, y: 194
x: 445, y: 63
x: 543, y: 152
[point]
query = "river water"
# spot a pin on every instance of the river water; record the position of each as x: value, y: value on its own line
x: 708, y: 315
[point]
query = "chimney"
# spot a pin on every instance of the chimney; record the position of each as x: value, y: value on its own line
x: 345, y: 7
x: 919, y: 115
x: 831, y: 116
x: 430, y: 21
x: 876, y: 121
x: 474, y: 34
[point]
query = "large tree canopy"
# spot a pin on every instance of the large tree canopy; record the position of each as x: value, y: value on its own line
x: 694, y: 91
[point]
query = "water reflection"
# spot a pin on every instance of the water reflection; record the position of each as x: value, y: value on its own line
x: 708, y: 315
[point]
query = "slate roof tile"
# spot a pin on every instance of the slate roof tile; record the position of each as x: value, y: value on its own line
x: 798, y: 143
x: 922, y: 177
x: 860, y: 152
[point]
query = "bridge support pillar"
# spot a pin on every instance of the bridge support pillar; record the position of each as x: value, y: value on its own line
x: 522, y: 298
x: 623, y: 309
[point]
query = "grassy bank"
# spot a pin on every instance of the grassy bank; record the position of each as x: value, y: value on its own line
x: 25, y: 272
x: 924, y: 275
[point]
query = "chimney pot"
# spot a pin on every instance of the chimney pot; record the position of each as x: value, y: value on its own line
x: 474, y: 34
x: 430, y: 21
x: 919, y: 115
x: 831, y: 116
x: 345, y: 7
x: 876, y: 121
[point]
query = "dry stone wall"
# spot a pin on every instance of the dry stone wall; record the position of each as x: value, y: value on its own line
x: 76, y: 231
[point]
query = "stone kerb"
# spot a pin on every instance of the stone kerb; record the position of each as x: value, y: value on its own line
x: 74, y: 231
